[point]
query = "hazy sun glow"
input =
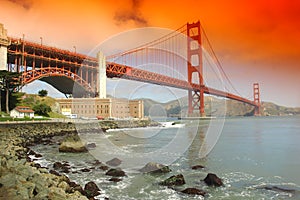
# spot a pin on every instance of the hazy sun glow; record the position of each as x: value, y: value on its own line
x: 256, y: 41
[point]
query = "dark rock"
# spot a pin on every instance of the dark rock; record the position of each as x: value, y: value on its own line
x: 54, y: 172
x: 72, y: 184
x: 1, y: 185
x: 173, y: 180
x: 103, y: 167
x: 65, y: 170
x: 37, y: 155
x: 114, y: 162
x: 155, y: 168
x: 197, y: 167
x: 91, y: 145
x: 97, y: 162
x: 91, y: 189
x: 115, y: 172
x: 37, y: 165
x: 213, y: 180
x: 57, y: 165
x: 279, y: 189
x: 114, y: 179
x: 193, y: 191
x: 30, y: 152
x: 85, y: 170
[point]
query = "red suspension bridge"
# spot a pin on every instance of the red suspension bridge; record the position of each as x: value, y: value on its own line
x: 179, y: 59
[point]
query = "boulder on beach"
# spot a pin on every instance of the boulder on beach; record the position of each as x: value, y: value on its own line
x: 213, y: 180
x: 153, y: 167
x: 115, y: 172
x: 114, y: 162
x: 72, y: 144
x: 193, y: 191
x: 91, y: 189
x: 173, y: 180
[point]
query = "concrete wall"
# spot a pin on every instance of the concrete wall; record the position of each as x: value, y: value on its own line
x: 3, y: 47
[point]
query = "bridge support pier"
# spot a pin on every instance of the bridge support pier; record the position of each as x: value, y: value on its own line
x: 256, y: 95
x: 4, y: 42
x: 195, y: 65
x: 101, y: 80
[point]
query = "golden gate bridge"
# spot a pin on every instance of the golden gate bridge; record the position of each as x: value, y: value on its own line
x: 175, y: 60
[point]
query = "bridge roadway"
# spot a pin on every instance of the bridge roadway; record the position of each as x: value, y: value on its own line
x: 46, y: 61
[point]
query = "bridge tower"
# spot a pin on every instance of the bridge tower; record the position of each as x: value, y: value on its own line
x: 256, y: 95
x: 101, y: 79
x: 195, y: 66
x: 4, y: 42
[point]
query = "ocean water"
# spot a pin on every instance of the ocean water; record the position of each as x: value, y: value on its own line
x: 252, y: 153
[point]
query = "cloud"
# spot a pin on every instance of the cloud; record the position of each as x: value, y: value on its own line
x: 26, y: 4
x: 132, y: 14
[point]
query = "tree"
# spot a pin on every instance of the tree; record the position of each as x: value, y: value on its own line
x: 9, y: 81
x: 43, y: 93
x: 42, y: 109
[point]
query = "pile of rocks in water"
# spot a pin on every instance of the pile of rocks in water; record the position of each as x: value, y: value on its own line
x: 22, y: 179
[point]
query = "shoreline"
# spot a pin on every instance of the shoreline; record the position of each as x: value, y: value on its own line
x: 22, y: 178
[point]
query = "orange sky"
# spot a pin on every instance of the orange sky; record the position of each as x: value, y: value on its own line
x: 256, y: 41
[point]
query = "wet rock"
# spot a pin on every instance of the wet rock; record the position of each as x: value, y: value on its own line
x: 85, y: 170
x: 103, y: 167
x: 173, y: 180
x: 37, y: 155
x: 193, y: 191
x: 91, y: 145
x: 213, y: 180
x: 279, y: 189
x: 72, y: 144
x: 114, y: 162
x: 30, y: 152
x: 91, y: 189
x: 97, y: 162
x: 115, y: 172
x: 57, y: 165
x: 54, y: 172
x: 195, y: 167
x: 37, y: 165
x: 155, y: 168
x: 114, y: 179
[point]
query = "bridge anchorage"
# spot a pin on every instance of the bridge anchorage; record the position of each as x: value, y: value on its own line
x: 66, y: 70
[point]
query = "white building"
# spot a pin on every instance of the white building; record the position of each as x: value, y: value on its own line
x: 21, y: 112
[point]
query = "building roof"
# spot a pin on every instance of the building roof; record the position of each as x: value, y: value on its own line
x: 24, y: 109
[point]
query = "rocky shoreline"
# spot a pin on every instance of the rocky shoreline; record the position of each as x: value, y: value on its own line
x: 23, y: 179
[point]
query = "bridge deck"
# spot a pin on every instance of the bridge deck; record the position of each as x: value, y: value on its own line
x: 40, y: 56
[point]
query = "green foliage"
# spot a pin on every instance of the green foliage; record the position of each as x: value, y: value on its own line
x: 42, y: 109
x: 9, y: 81
x: 56, y: 115
x: 43, y: 93
x: 15, y: 99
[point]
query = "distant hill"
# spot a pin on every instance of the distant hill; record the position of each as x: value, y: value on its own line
x: 220, y: 107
